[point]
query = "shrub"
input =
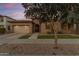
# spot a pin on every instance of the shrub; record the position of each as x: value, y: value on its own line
x: 49, y: 32
x: 2, y: 30
x: 60, y: 32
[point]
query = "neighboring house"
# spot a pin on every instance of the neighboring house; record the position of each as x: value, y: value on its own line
x: 4, y: 22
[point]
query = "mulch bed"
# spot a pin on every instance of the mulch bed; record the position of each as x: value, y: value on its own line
x: 40, y: 49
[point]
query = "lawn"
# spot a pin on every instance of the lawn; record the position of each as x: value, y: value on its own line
x: 24, y: 37
x: 59, y: 36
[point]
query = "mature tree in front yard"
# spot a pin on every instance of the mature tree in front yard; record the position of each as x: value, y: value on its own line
x: 76, y: 16
x: 70, y: 17
x: 53, y: 13
x: 44, y: 13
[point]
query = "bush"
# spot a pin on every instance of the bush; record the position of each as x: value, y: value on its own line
x: 60, y: 32
x: 50, y: 32
x: 2, y: 30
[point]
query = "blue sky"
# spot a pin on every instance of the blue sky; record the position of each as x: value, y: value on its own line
x: 14, y: 10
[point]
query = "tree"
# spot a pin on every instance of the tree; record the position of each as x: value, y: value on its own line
x: 71, y: 16
x: 53, y: 12
x: 76, y: 17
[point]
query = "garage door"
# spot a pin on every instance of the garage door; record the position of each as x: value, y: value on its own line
x: 21, y: 29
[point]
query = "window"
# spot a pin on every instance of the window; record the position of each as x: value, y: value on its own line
x: 1, y: 19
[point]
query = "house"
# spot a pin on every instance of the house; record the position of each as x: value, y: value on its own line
x: 33, y: 26
x: 4, y: 22
x: 24, y: 26
x: 28, y: 26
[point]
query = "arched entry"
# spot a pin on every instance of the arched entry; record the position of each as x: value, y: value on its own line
x: 36, y: 28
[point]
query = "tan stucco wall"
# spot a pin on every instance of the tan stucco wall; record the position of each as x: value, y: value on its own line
x: 43, y: 28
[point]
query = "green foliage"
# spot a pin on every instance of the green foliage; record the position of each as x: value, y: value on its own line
x: 2, y: 30
x: 60, y: 32
x: 60, y: 36
x: 50, y: 32
x: 67, y: 13
x: 64, y: 15
x: 49, y: 11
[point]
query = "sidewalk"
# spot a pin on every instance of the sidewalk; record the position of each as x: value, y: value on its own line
x: 34, y: 36
x: 42, y: 41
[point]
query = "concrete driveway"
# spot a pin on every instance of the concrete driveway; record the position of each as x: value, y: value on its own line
x: 8, y: 38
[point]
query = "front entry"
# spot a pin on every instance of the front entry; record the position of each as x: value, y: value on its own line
x: 36, y: 28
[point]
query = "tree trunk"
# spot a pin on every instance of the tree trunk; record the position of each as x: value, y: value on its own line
x: 66, y: 30
x: 55, y: 30
x: 56, y: 40
x: 77, y: 28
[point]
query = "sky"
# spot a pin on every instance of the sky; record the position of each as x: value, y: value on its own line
x: 13, y: 10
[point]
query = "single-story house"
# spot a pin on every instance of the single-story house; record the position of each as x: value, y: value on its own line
x: 24, y: 26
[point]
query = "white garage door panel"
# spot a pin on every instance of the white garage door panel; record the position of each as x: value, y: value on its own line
x: 21, y: 29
